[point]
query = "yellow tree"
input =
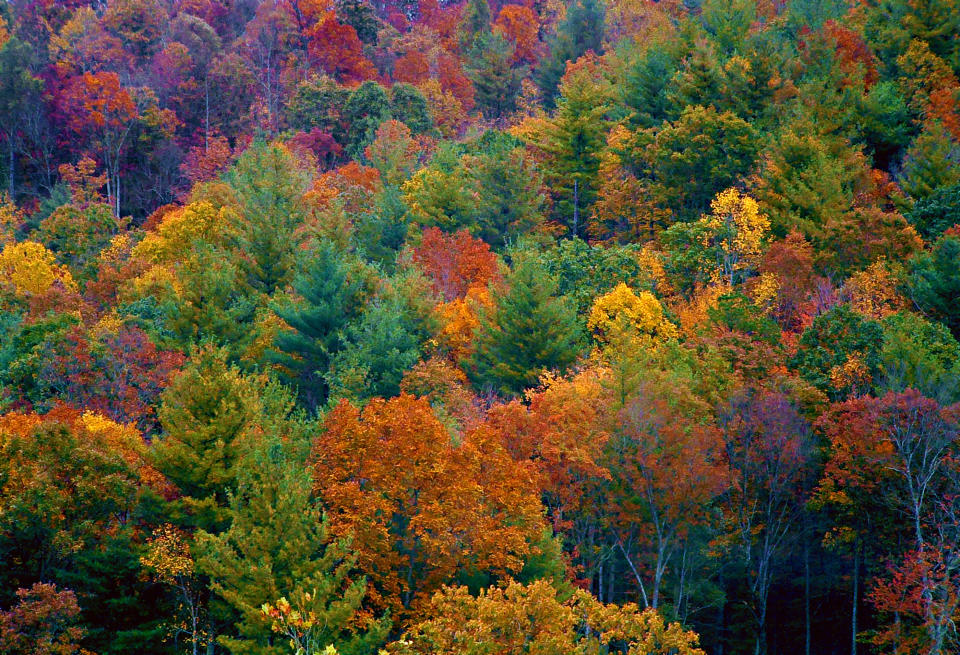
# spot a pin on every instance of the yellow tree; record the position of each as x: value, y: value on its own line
x: 516, y: 619
x: 621, y: 311
x: 737, y: 232
x: 32, y: 270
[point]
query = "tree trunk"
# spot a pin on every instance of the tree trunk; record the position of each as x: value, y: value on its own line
x: 806, y: 595
x: 10, y: 154
x: 576, y: 206
x: 856, y: 597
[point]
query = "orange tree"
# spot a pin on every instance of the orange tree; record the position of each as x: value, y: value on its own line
x: 421, y: 507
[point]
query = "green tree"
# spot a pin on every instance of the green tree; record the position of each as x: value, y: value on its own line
x: 319, y: 102
x: 931, y: 162
x: 937, y: 213
x: 380, y: 348
x: 572, y: 141
x: 212, y: 416
x: 509, y: 193
x: 367, y: 106
x: 361, y: 17
x: 919, y: 354
x: 268, y: 183
x: 839, y: 353
x: 496, y: 82
x: 528, y: 331
x: 933, y: 282
x: 581, y: 30
x: 278, y: 547
x: 647, y: 83
x: 695, y: 157
x: 332, y: 291
x: 474, y: 23
x: 408, y: 106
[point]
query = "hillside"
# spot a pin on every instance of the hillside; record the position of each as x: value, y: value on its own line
x: 386, y: 327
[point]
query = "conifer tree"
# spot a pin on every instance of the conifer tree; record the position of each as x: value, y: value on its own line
x: 580, y: 31
x: 528, y: 331
x: 278, y: 550
x: 475, y: 23
x: 496, y: 83
x: 268, y: 183
x: 332, y: 292
x: 208, y: 416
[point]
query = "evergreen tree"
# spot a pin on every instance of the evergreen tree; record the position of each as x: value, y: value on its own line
x: 380, y: 348
x: 332, y: 293
x: 408, y: 106
x: 268, y: 184
x: 278, y: 547
x: 475, y: 23
x: 931, y: 162
x: 495, y: 81
x: 933, y: 282
x: 527, y: 332
x: 580, y: 31
x: 645, y: 89
x: 367, y: 107
x: 936, y: 213
x: 211, y: 416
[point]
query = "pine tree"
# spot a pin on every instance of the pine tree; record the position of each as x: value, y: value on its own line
x: 529, y: 331
x: 332, y: 292
x: 580, y: 31
x: 208, y: 415
x: 475, y: 23
x: 495, y: 81
x: 268, y: 183
x: 278, y: 550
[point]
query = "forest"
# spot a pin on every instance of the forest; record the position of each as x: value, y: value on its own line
x: 479, y: 327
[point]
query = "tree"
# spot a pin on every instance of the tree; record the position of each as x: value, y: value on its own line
x: 839, y: 353
x: 666, y: 462
x: 692, y: 159
x: 519, y: 24
x: 623, y: 312
x: 937, y: 213
x: 278, y: 546
x: 333, y: 291
x: 339, y: 50
x: 393, y: 152
x: 527, y: 332
x: 422, y: 508
x: 571, y: 141
x: 933, y: 282
x: 409, y: 106
x: 898, y: 451
x: 269, y: 184
x: 767, y: 449
x: 919, y: 354
x: 102, y: 110
x: 455, y: 263
x: 18, y: 90
x: 931, y: 162
x: 72, y: 484
x: 367, y: 106
x: 519, y: 618
x: 43, y: 622
x: 212, y: 416
x: 379, y: 348
x: 581, y: 31
x: 495, y: 81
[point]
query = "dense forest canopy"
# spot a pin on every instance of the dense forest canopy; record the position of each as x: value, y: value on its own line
x: 412, y: 327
